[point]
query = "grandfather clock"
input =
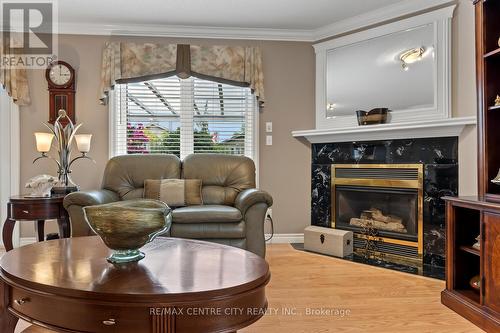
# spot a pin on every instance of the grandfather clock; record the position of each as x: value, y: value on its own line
x: 61, y: 79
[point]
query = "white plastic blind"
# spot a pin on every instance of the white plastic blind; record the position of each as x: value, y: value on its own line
x: 174, y: 116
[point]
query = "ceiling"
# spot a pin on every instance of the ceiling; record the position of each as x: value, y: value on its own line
x: 298, y: 20
x: 264, y: 14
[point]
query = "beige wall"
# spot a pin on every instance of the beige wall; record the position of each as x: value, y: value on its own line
x: 464, y: 93
x: 289, y: 82
x: 284, y: 167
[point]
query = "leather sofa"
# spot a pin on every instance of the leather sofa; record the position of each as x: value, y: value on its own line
x: 233, y: 210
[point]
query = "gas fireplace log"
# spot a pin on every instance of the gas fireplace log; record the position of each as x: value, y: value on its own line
x: 377, y: 215
x: 391, y: 226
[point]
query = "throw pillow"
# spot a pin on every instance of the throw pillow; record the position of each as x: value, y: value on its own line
x: 174, y: 192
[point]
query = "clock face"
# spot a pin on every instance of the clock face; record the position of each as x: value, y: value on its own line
x: 60, y: 74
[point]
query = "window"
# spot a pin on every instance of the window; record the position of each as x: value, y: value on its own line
x: 183, y: 116
x: 9, y: 155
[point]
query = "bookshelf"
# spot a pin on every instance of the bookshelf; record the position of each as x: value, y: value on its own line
x: 468, y: 217
x: 488, y: 88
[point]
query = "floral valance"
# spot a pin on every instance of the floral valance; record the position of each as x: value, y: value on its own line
x: 128, y: 62
x: 13, y: 80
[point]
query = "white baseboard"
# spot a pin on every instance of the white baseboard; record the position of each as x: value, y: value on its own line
x: 27, y: 240
x: 277, y: 239
x: 285, y: 238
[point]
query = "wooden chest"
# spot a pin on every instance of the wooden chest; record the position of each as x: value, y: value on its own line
x: 334, y: 242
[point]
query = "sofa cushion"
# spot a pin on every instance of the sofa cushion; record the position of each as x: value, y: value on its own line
x: 126, y: 174
x: 223, y: 176
x: 208, y: 230
x: 206, y: 214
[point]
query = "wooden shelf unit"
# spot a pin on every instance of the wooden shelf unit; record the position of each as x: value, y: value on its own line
x: 488, y: 87
x: 471, y: 295
x: 492, y: 53
x: 467, y: 218
x: 470, y: 249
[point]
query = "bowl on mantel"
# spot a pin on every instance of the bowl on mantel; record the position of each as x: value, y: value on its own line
x: 373, y: 117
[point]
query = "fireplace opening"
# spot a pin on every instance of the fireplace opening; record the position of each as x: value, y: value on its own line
x: 392, y: 211
x: 382, y: 204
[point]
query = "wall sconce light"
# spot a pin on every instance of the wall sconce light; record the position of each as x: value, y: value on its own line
x: 410, y: 56
x: 330, y: 106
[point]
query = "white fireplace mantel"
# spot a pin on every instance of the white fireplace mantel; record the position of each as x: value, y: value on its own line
x: 423, y: 129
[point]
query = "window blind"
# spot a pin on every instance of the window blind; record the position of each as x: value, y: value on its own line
x: 183, y: 116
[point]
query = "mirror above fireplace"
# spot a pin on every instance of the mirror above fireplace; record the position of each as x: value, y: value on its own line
x: 402, y: 63
x: 403, y: 66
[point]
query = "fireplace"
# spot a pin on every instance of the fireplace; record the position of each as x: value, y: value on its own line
x: 381, y: 204
x: 439, y: 160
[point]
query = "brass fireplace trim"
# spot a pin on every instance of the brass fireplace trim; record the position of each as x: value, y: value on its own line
x: 387, y: 240
x: 413, y: 262
x: 417, y: 184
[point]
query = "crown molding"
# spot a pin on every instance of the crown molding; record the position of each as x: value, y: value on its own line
x: 180, y: 31
x: 378, y: 16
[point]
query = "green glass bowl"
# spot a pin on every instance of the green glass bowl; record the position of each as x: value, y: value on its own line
x: 126, y: 226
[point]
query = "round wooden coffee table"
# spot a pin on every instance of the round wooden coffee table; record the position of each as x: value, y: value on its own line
x: 181, y: 286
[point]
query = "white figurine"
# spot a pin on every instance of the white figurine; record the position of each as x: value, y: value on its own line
x: 477, y: 244
x: 41, y: 185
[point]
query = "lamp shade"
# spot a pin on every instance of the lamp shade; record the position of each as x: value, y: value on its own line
x: 83, y: 142
x: 43, y: 141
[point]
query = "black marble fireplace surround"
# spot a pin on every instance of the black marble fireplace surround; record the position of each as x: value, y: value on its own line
x: 440, y: 159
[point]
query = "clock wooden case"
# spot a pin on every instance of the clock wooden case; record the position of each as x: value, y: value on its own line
x: 61, y: 81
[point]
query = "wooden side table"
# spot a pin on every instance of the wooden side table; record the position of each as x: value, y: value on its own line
x: 21, y: 208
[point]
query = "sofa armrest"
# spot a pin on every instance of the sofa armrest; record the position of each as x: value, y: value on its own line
x: 90, y: 198
x: 253, y: 205
x: 74, y: 203
x: 250, y: 197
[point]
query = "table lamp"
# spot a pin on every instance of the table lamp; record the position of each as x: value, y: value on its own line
x: 64, y: 136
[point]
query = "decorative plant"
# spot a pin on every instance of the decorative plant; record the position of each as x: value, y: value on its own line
x: 137, y: 140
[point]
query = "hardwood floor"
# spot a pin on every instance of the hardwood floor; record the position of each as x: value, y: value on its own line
x: 373, y: 299
x: 378, y: 300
